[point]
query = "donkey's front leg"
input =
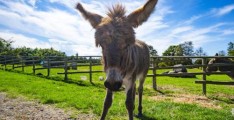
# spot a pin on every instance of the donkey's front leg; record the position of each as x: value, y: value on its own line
x: 107, y: 103
x: 140, y: 92
x: 130, y: 95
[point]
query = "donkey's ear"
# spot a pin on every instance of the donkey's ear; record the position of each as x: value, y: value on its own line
x: 93, y: 18
x: 140, y: 15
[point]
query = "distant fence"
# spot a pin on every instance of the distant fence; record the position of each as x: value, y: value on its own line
x: 204, y: 64
x: 68, y: 63
x: 52, y: 62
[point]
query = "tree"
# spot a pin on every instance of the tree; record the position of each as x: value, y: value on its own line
x: 230, y: 46
x: 230, y: 49
x: 200, y: 52
x: 23, y: 51
x: 187, y: 48
x: 44, y: 52
x: 5, y: 46
x: 171, y: 50
x: 184, y: 49
x: 221, y: 53
x: 174, y: 50
x: 7, y: 49
x: 152, y: 51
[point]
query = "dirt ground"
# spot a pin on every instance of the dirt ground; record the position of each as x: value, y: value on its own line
x: 189, y: 99
x: 21, y: 109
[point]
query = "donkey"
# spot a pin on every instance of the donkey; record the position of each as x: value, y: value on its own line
x: 125, y: 59
x: 221, y: 68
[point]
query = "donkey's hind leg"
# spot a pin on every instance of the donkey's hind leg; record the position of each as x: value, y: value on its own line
x: 140, y: 92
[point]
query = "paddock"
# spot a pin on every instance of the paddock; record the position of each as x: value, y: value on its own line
x: 179, y: 97
x: 72, y: 65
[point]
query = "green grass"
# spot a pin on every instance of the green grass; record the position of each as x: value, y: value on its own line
x: 84, y: 97
x: 54, y: 71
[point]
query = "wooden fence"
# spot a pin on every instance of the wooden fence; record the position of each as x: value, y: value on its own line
x: 158, y: 59
x: 52, y: 62
x: 68, y: 63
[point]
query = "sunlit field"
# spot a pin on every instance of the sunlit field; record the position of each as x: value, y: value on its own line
x: 176, y: 98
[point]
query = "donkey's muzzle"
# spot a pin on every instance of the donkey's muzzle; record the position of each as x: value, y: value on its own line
x: 113, y: 86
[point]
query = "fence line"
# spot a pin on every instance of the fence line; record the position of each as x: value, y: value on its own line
x: 204, y: 73
x: 50, y: 63
x: 67, y: 62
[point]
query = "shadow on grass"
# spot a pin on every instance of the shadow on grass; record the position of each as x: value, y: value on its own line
x: 227, y: 100
x: 161, y: 92
x: 144, y: 117
x: 51, y: 101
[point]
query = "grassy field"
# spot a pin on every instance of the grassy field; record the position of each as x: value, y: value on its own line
x: 179, y: 98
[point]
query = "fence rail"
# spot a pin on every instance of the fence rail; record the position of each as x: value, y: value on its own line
x: 68, y: 62
x: 203, y: 65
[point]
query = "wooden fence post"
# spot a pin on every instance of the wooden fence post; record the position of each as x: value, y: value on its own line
x: 33, y: 66
x: 204, y: 76
x: 5, y: 62
x: 48, y: 67
x: 13, y: 64
x: 22, y: 63
x: 90, y: 69
x: 65, y: 69
x: 154, y: 74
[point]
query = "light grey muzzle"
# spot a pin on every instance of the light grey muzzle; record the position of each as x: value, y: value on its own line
x: 114, y: 79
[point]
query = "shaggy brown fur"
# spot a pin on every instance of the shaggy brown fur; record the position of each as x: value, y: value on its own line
x: 125, y: 58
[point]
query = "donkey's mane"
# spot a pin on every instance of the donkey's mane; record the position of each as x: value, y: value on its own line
x: 117, y: 10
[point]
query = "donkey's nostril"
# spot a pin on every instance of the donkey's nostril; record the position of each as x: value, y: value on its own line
x: 117, y: 85
x: 107, y: 84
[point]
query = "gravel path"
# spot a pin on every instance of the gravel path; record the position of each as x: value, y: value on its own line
x: 21, y: 109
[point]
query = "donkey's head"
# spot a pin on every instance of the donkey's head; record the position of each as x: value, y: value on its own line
x: 114, y: 34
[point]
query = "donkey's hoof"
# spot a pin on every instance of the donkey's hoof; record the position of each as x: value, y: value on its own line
x: 139, y: 115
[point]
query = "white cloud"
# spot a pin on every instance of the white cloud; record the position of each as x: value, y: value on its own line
x: 63, y: 45
x: 193, y: 19
x: 69, y: 32
x: 228, y: 32
x: 200, y: 36
x: 32, y: 2
x: 182, y: 29
x: 225, y: 10
x: 69, y: 3
x: 161, y: 44
x: 62, y: 28
x: 53, y: 24
x: 21, y: 40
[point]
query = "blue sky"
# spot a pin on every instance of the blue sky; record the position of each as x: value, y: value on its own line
x: 55, y: 23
